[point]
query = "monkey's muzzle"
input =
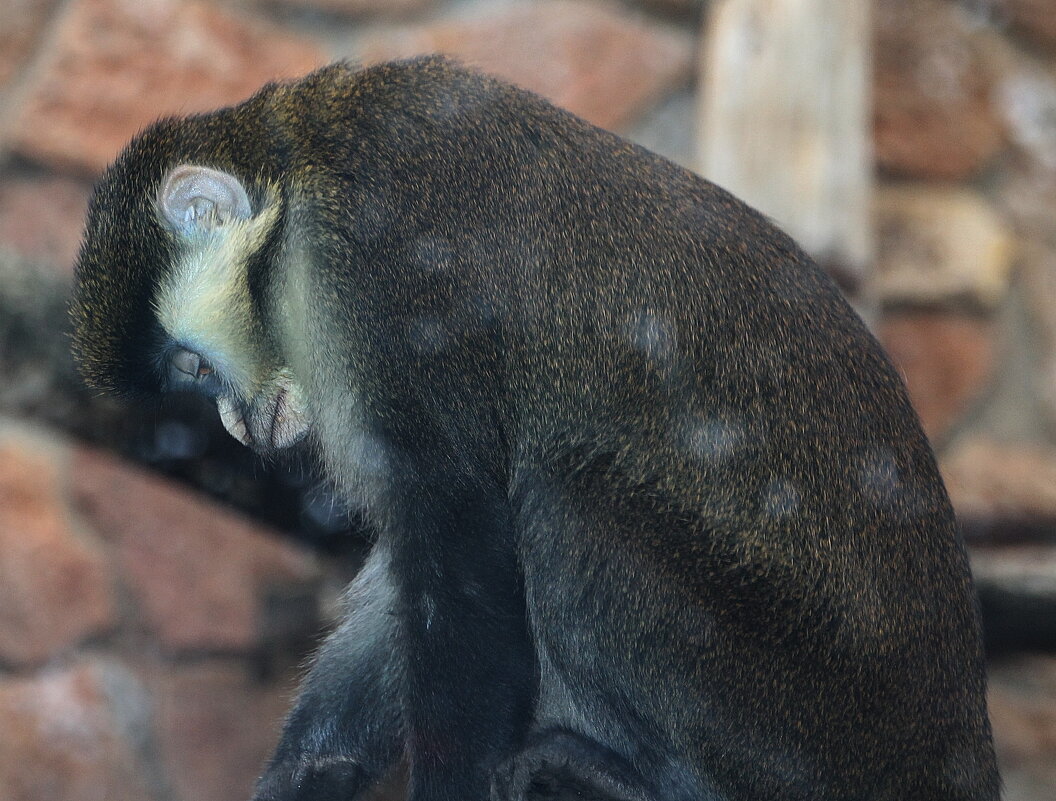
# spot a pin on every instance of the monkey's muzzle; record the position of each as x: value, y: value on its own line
x: 274, y: 420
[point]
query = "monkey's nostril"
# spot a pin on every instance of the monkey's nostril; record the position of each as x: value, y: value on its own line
x: 188, y: 363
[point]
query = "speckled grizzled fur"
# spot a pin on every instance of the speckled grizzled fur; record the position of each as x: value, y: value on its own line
x: 656, y: 518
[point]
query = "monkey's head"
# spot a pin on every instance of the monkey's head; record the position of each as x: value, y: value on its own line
x: 166, y: 297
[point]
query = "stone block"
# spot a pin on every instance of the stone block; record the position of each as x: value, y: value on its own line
x: 23, y: 22
x: 940, y: 244
x: 73, y: 735
x: 1023, y: 715
x: 114, y: 66
x: 354, y: 8
x: 42, y: 220
x: 946, y: 360
x: 202, y: 574
x: 1010, y: 486
x: 1035, y: 19
x: 55, y: 586
x: 216, y: 725
x: 933, y: 92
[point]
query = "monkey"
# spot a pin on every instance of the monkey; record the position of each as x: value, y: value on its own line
x: 655, y: 518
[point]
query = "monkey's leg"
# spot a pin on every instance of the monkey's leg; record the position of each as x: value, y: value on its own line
x: 345, y: 731
x: 559, y: 764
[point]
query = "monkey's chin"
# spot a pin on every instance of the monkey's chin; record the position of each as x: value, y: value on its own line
x: 269, y: 424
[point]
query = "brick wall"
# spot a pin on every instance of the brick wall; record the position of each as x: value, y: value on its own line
x: 144, y: 631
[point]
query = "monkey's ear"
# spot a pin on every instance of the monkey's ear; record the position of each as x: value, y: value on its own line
x: 194, y: 198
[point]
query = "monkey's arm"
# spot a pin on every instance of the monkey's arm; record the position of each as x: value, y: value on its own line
x: 559, y: 764
x: 469, y: 669
x: 345, y: 732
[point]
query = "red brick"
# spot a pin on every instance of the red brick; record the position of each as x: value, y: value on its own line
x: 946, y: 359
x: 23, y: 22
x: 43, y: 219
x: 117, y: 65
x: 200, y: 572
x: 216, y: 726
x: 64, y: 737
x: 933, y: 94
x: 1036, y: 19
x: 55, y: 587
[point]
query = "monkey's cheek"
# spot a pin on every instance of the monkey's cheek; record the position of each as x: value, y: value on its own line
x: 284, y: 419
x: 289, y: 424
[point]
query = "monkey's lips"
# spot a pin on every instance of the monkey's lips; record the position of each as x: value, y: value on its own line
x: 272, y: 422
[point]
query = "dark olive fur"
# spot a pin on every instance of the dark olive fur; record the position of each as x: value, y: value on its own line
x: 657, y: 518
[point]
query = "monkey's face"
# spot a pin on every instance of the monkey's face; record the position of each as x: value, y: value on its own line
x: 217, y: 344
x: 185, y: 256
x: 269, y: 415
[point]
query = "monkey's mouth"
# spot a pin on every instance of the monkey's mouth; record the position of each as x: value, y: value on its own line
x: 273, y: 421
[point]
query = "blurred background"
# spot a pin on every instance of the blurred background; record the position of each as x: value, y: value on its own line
x: 160, y: 587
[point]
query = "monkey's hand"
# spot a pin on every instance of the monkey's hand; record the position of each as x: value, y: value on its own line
x: 560, y: 764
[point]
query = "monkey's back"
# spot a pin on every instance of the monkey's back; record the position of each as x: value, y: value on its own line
x: 718, y: 412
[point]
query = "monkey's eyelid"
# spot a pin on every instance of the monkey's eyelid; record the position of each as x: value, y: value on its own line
x: 191, y: 364
x: 185, y: 361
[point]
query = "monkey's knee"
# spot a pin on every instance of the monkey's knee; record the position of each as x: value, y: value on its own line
x: 558, y: 765
x: 320, y: 779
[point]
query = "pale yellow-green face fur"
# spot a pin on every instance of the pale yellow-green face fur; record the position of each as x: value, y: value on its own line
x: 204, y: 305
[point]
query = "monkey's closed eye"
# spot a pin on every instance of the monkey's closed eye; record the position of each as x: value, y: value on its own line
x: 190, y: 364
